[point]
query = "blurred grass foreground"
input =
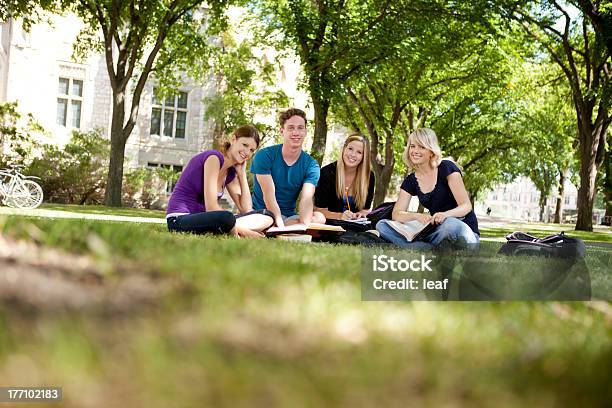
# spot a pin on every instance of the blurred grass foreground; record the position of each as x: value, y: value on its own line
x: 128, y: 315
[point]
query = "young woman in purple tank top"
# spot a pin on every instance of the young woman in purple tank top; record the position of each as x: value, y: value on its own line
x: 194, y: 204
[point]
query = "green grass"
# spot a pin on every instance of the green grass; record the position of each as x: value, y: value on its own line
x: 272, y: 323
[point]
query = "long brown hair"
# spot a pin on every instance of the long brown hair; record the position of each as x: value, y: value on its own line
x: 242, y: 131
x: 362, y: 178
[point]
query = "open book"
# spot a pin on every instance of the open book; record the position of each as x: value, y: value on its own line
x: 312, y: 229
x: 412, y: 230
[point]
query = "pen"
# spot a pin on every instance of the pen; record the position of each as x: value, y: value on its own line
x: 347, y: 199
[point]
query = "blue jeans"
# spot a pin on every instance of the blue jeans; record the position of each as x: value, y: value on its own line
x: 452, y: 231
x: 216, y: 222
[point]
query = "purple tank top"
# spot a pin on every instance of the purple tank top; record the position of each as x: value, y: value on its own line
x: 188, y: 194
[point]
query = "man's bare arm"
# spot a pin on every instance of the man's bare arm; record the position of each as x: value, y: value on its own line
x: 306, y: 203
x: 269, y: 194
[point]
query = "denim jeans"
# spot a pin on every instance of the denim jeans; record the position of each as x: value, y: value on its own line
x: 216, y: 222
x: 452, y: 231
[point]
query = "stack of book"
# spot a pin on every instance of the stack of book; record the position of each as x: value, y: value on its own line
x: 313, y: 230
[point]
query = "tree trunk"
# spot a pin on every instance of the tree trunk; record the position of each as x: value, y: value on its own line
x: 321, y: 109
x: 560, y: 197
x: 592, y: 151
x: 112, y: 195
x: 586, y: 194
x: 608, y: 215
x: 218, y: 134
x: 542, y: 206
x: 383, y: 173
x: 588, y: 176
x: 607, y: 187
x: 377, y: 168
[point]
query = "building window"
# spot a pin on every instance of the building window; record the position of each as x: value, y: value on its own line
x: 567, y: 199
x: 169, y: 117
x: 177, y: 169
x: 69, y: 102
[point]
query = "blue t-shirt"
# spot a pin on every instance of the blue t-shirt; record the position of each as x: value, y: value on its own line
x: 441, y: 197
x: 288, y: 180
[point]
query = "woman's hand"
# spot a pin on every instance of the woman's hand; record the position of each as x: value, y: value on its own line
x: 423, y: 218
x: 240, y: 168
x: 241, y: 232
x: 362, y: 213
x: 438, y: 218
x: 348, y: 215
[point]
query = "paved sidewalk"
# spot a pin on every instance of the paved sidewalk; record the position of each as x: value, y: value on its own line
x: 67, y: 214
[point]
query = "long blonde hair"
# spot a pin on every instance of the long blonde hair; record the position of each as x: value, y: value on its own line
x: 362, y: 178
x: 426, y: 138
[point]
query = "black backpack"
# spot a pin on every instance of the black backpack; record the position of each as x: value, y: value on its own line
x: 350, y: 226
x: 556, y: 246
x: 567, y: 275
x: 360, y: 238
x: 383, y: 211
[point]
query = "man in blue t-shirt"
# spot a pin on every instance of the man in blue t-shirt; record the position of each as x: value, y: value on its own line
x: 284, y: 171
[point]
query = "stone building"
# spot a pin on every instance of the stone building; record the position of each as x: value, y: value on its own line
x: 520, y: 200
x: 37, y: 71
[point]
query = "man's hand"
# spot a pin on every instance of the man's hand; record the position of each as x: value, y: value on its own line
x: 306, y: 220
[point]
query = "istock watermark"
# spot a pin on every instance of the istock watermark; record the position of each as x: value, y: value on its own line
x: 402, y: 275
x: 384, y: 263
x: 399, y: 274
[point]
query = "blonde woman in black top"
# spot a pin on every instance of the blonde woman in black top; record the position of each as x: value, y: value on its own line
x: 346, y: 187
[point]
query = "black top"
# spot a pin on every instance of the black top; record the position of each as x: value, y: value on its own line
x: 325, y: 195
x: 441, y: 197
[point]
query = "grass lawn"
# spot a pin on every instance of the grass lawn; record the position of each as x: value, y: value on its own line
x: 185, y: 321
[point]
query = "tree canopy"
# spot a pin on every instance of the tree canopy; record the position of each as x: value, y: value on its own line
x: 138, y: 39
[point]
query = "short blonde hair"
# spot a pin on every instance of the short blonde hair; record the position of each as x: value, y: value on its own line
x: 426, y: 138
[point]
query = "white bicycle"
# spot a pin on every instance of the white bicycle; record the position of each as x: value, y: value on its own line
x: 19, y: 191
